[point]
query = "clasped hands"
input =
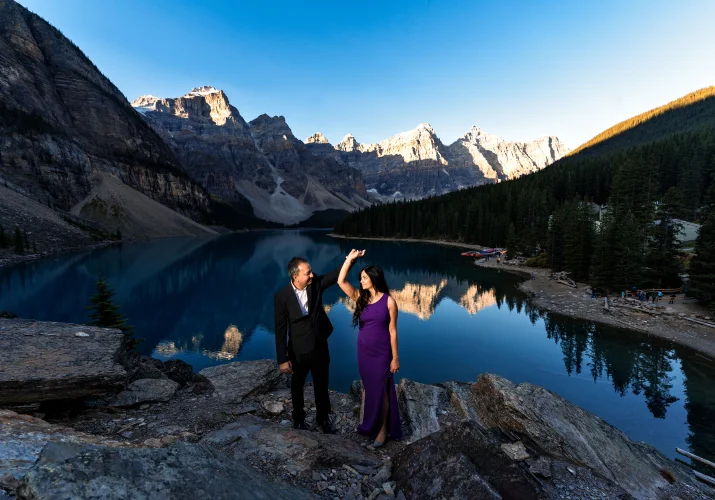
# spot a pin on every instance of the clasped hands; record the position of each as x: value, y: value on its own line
x: 355, y: 254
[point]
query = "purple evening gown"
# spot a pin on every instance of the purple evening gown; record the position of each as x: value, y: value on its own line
x: 374, y: 358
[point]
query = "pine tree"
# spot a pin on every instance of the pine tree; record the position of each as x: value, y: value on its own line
x: 19, y: 245
x: 26, y: 239
x: 119, y: 234
x: 702, y: 268
x: 105, y: 313
x: 34, y: 246
x: 2, y: 238
x: 663, y: 260
x: 511, y: 242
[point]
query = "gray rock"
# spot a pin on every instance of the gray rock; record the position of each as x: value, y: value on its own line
x: 23, y: 437
x: 44, y: 361
x: 235, y: 381
x: 179, y: 371
x: 307, y: 451
x: 540, y: 466
x: 181, y: 471
x: 367, y: 471
x: 146, y: 368
x: 419, y: 406
x: 273, y: 407
x: 463, y: 399
x: 146, y: 390
x: 515, y: 451
x: 570, y: 433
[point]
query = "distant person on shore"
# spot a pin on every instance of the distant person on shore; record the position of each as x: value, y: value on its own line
x: 302, y: 329
x: 378, y: 361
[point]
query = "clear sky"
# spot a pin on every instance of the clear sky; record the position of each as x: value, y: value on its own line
x: 518, y: 69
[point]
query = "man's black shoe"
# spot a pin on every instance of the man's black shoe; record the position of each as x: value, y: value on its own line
x: 300, y: 426
x: 327, y: 427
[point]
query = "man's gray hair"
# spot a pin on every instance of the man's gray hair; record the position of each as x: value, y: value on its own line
x: 293, y: 265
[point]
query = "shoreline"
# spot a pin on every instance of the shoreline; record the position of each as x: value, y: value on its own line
x: 412, y: 240
x: 664, y: 322
x: 13, y: 259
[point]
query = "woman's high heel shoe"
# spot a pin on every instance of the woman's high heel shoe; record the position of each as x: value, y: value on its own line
x: 377, y: 444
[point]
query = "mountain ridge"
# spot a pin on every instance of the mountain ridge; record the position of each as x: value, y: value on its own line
x: 260, y: 163
x: 415, y: 163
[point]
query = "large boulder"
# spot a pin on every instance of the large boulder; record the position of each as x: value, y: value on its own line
x: 23, y: 437
x: 294, y: 450
x: 43, y: 361
x: 147, y: 390
x: 546, y: 421
x: 235, y: 381
x: 420, y: 407
x: 465, y: 461
x: 181, y: 471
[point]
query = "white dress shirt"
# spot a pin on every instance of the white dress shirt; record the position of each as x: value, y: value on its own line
x: 302, y: 296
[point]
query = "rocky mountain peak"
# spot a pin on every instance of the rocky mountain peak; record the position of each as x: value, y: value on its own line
x: 203, y: 104
x: 348, y: 143
x: 317, y: 138
x: 271, y: 125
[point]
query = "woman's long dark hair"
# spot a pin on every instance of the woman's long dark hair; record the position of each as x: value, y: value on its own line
x: 378, y: 283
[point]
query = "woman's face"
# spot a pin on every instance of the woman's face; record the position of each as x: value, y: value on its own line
x: 365, y: 281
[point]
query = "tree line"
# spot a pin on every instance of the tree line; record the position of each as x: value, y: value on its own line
x: 554, y: 212
x: 18, y: 241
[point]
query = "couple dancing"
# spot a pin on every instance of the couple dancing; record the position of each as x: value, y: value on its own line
x: 302, y: 329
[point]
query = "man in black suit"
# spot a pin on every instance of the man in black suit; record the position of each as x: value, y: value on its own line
x: 302, y: 331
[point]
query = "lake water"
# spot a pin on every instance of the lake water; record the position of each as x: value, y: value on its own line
x: 209, y: 301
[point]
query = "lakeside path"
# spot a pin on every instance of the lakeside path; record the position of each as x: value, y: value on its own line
x: 666, y: 321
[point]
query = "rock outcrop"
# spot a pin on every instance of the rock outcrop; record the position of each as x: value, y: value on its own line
x: 489, y: 439
x: 62, y: 123
x: 416, y: 163
x: 260, y: 165
x: 44, y: 361
x: 491, y: 432
x: 181, y: 470
x: 289, y: 448
x: 22, y: 439
x: 235, y: 381
x: 568, y: 432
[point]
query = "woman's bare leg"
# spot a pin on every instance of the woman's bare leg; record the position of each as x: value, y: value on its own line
x: 382, y: 435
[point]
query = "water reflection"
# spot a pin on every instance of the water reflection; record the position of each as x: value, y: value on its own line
x: 209, y: 301
x: 421, y: 300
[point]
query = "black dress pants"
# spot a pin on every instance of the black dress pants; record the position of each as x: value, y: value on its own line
x: 318, y: 364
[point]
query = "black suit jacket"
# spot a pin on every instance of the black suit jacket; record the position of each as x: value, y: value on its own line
x: 293, y: 330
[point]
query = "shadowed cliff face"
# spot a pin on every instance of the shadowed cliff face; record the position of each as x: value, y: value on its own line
x: 416, y: 163
x: 62, y: 122
x: 261, y: 162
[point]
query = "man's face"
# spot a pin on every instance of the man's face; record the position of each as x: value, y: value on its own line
x: 304, y: 276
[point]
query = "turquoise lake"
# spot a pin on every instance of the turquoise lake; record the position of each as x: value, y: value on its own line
x: 209, y: 301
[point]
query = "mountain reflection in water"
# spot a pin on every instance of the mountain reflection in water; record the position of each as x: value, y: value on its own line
x: 209, y: 301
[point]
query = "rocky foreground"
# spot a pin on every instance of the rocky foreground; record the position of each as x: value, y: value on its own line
x: 165, y: 432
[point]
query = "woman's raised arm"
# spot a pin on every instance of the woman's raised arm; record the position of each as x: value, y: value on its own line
x: 343, y: 283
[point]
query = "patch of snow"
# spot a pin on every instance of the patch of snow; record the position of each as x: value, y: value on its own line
x: 396, y: 194
x: 373, y: 191
x: 205, y: 90
x: 144, y: 109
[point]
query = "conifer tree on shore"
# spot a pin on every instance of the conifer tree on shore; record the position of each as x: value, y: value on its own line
x: 105, y: 313
x: 19, y: 244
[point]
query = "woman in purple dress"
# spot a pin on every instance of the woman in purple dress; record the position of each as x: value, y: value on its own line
x: 376, y: 314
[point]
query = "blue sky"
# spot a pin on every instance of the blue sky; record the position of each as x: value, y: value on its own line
x: 518, y: 69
